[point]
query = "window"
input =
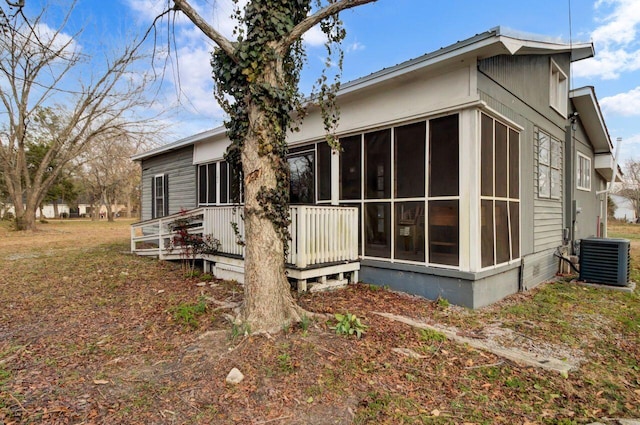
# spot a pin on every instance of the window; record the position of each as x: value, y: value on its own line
x: 384, y: 173
x: 583, y: 179
x: 302, y: 179
x: 377, y: 146
x: 500, y: 192
x: 409, y: 231
x: 558, y: 89
x: 549, y: 166
x: 410, y: 146
x: 230, y: 184
x: 350, y: 168
x: 207, y: 183
x: 378, y: 226
x: 444, y: 177
x: 159, y: 196
x: 444, y: 160
x: 324, y: 171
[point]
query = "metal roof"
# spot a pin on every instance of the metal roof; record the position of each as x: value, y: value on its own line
x: 497, y: 41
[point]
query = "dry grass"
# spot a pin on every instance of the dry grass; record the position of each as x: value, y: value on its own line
x: 92, y: 335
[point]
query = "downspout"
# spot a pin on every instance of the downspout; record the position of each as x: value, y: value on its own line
x: 569, y: 204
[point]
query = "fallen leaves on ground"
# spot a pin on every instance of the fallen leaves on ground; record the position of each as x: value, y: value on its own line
x: 91, y: 334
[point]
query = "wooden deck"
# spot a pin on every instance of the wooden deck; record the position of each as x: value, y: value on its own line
x: 323, y: 249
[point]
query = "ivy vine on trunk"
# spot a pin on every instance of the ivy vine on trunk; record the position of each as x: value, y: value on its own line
x: 256, y: 78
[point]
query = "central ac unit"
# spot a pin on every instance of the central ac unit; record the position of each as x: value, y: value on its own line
x: 605, y: 260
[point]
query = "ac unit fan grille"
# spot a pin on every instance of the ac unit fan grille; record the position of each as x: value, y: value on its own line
x: 605, y: 261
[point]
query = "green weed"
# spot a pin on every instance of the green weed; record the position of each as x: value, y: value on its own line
x: 285, y: 363
x: 442, y: 302
x: 238, y: 330
x: 4, y: 376
x: 187, y: 314
x: 430, y: 335
x: 348, y: 324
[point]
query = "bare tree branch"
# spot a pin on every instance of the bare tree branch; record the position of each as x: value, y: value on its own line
x: 317, y: 17
x: 206, y: 29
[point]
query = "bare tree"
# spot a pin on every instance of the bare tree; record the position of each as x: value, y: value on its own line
x: 630, y: 187
x: 41, y: 68
x: 256, y: 78
x: 111, y: 173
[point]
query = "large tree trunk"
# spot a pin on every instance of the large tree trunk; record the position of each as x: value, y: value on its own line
x: 108, y: 203
x: 25, y: 219
x: 26, y: 213
x: 268, y: 304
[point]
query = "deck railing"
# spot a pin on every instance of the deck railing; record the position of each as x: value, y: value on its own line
x: 319, y: 234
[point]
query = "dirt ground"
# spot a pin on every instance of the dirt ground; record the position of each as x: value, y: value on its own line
x: 90, y: 334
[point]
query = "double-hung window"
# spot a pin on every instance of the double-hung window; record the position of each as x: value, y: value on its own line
x: 583, y: 178
x: 549, y: 166
x: 160, y: 196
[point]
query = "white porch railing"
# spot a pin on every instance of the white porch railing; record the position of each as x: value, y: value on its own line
x: 319, y: 234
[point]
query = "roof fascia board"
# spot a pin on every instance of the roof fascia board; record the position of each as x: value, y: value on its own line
x: 588, y: 92
x: 487, y: 43
x: 187, y: 141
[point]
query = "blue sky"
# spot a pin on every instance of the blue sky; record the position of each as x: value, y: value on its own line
x: 388, y: 32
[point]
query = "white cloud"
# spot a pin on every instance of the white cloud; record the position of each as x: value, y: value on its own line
x: 630, y: 149
x: 315, y: 37
x: 57, y: 40
x: 626, y: 104
x: 354, y: 47
x: 190, y: 84
x: 617, y: 48
x: 193, y: 80
x: 146, y: 10
x: 619, y: 27
x: 216, y: 12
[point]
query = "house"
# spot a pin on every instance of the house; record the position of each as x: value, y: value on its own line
x: 65, y: 210
x: 466, y: 169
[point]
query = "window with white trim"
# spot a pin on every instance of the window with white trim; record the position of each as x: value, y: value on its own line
x: 558, y: 89
x: 583, y: 178
x: 549, y: 166
x: 159, y: 196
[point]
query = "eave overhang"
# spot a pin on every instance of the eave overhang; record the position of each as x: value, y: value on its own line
x: 491, y: 43
x: 179, y: 144
x: 586, y: 105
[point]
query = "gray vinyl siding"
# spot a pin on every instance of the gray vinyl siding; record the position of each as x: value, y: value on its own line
x: 538, y: 267
x: 181, y: 173
x: 527, y: 79
x: 548, y: 222
x: 587, y: 201
x: 518, y: 88
x: 546, y: 216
